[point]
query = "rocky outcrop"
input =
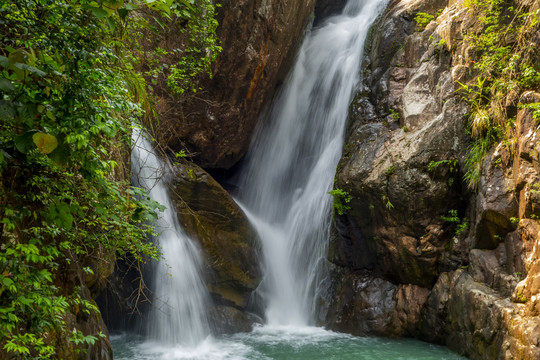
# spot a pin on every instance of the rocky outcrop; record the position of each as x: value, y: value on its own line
x: 418, y: 254
x: 208, y: 214
x: 402, y: 156
x: 364, y: 304
x: 215, y: 125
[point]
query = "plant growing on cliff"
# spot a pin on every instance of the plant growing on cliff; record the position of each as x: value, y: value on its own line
x: 69, y: 96
x: 462, y: 225
x: 507, y: 66
x: 451, y: 164
x: 203, y: 46
x: 422, y: 20
x: 341, y: 199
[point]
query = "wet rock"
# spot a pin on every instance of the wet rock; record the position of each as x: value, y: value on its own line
x: 476, y: 321
x: 401, y: 160
x: 208, y: 214
x: 326, y: 8
x: 528, y: 290
x: 371, y: 305
x: 490, y: 267
x: 496, y: 203
x: 230, y: 320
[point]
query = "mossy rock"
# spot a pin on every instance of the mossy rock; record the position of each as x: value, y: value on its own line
x: 229, y: 242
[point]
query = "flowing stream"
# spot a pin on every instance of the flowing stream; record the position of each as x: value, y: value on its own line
x: 284, y: 191
x: 291, y: 165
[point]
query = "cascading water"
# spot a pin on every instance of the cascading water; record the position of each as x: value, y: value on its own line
x: 284, y: 190
x: 180, y: 301
x: 291, y: 165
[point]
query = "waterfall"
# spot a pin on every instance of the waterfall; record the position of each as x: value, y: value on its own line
x: 291, y: 164
x: 180, y: 298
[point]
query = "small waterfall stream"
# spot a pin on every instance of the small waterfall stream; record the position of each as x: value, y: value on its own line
x: 291, y: 164
x: 180, y: 298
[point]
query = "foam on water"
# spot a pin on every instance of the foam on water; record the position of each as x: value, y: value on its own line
x: 284, y: 343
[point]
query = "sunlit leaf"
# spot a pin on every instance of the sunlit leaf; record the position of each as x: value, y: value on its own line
x: 46, y: 143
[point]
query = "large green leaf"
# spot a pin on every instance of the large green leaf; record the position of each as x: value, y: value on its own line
x: 46, y: 143
x: 4, y: 61
x: 30, y: 69
x: 60, y: 155
x: 24, y: 143
x: 6, y: 85
x: 7, y: 112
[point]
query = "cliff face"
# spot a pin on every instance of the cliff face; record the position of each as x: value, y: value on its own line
x: 419, y: 254
x: 216, y: 124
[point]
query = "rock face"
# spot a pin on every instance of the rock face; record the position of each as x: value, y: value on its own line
x: 208, y: 214
x: 259, y: 38
x: 368, y: 305
x: 418, y: 254
x: 88, y: 322
x: 402, y: 156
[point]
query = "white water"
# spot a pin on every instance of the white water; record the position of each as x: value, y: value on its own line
x: 286, y: 343
x: 180, y: 298
x: 291, y: 165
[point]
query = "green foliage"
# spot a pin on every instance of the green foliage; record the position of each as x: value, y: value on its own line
x: 387, y: 202
x: 452, y: 165
x: 390, y: 171
x: 452, y: 217
x: 422, y: 20
x: 535, y: 110
x: 506, y: 64
x: 69, y: 95
x: 462, y: 225
x: 341, y: 199
x: 203, y: 46
x: 395, y: 114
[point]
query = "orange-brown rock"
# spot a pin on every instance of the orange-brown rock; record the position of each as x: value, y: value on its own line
x: 258, y: 39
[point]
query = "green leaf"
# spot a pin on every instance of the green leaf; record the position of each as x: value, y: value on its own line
x: 98, y: 12
x: 27, y: 112
x: 24, y: 143
x: 123, y: 13
x: 46, y: 143
x: 4, y: 61
x: 6, y: 85
x: 31, y: 69
x: 60, y: 155
x: 7, y: 112
x: 7, y: 282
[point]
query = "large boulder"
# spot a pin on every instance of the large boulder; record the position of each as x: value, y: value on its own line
x: 229, y: 243
x: 365, y: 304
